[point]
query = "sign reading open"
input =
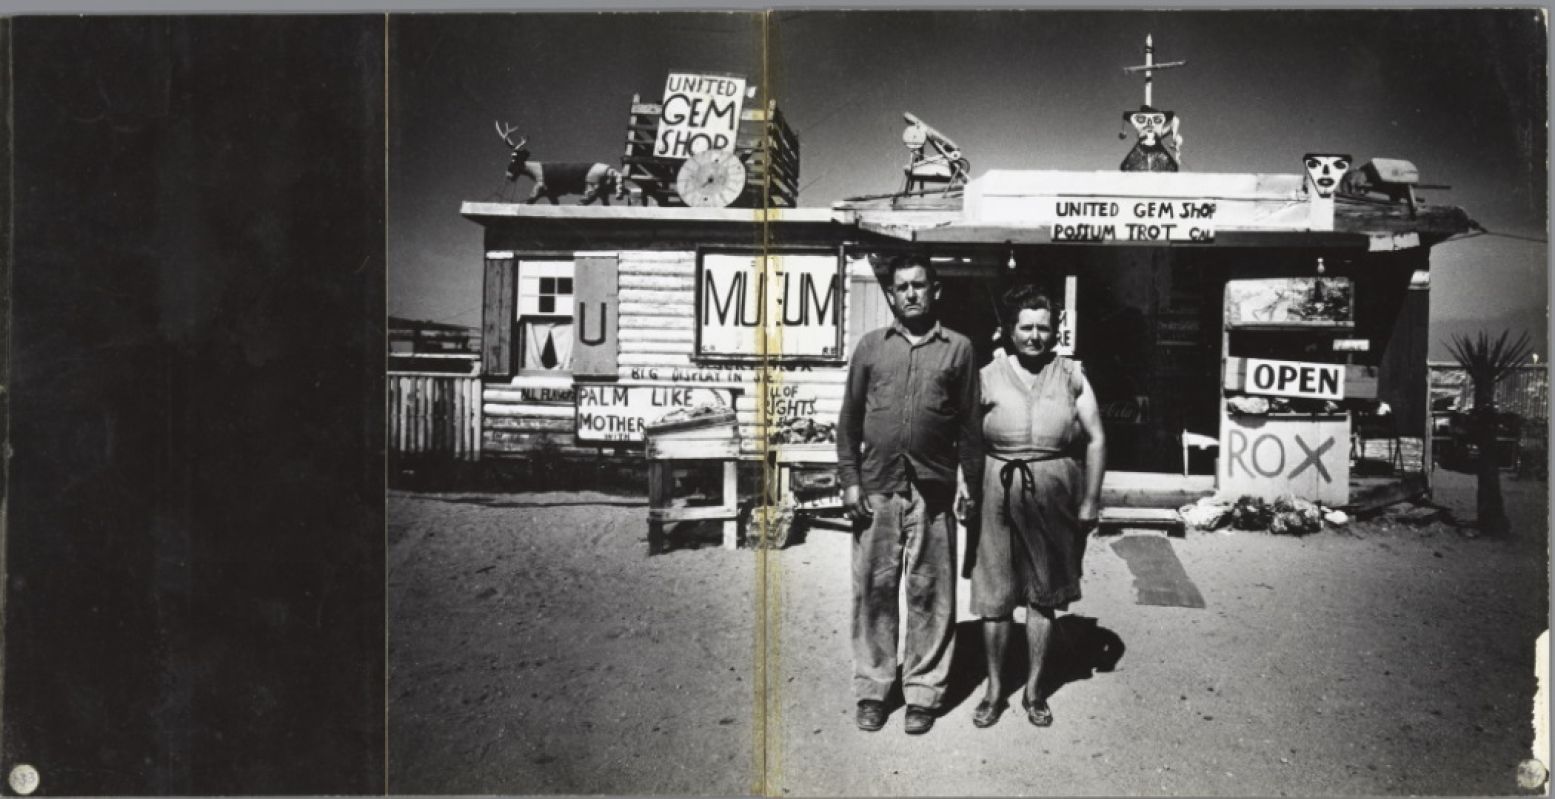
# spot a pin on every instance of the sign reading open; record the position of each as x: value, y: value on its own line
x: 1295, y: 379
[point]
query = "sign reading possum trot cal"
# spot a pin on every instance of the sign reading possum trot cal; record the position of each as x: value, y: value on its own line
x: 785, y: 307
x: 700, y: 112
x: 1104, y: 219
x: 619, y: 413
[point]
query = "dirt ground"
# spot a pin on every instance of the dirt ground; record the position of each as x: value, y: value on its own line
x: 534, y: 648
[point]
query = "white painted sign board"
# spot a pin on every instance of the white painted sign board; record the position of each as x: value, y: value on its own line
x: 1273, y: 457
x: 780, y: 306
x: 619, y: 413
x: 1067, y: 318
x: 1102, y: 219
x: 1295, y: 379
x: 700, y: 113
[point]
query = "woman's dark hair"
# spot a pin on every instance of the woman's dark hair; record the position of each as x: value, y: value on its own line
x: 1025, y: 297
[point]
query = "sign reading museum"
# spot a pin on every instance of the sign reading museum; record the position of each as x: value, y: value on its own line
x: 786, y: 306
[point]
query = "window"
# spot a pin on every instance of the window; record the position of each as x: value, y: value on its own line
x: 545, y: 313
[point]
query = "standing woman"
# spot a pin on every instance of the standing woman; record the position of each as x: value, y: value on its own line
x: 1046, y: 455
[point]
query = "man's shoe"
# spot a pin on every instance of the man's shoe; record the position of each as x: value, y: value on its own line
x: 919, y: 720
x: 871, y: 715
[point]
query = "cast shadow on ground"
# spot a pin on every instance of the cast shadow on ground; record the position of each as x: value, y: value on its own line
x: 1080, y: 648
x: 688, y: 536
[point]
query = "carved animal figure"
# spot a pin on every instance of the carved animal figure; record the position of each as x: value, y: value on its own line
x: 555, y: 179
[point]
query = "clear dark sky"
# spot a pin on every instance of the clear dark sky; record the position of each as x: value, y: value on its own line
x: 1462, y: 94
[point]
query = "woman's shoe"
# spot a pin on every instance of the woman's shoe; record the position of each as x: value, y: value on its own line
x: 1038, y: 713
x: 988, y: 713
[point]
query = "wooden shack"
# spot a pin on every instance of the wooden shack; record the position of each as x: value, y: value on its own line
x: 1238, y: 309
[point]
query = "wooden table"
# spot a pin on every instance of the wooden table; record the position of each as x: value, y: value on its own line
x: 708, y: 438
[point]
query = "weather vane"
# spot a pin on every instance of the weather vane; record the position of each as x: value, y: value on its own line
x: 1159, y: 148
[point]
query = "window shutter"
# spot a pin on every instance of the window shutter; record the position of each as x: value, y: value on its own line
x: 595, y: 318
x: 497, y: 317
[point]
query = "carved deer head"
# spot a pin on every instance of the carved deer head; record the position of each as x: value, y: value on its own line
x: 520, y: 155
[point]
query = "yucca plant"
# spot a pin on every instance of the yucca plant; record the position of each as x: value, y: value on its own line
x: 1486, y: 363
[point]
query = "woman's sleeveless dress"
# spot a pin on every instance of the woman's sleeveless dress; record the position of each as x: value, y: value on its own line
x: 1031, y: 545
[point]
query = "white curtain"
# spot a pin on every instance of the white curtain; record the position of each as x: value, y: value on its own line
x: 535, y: 335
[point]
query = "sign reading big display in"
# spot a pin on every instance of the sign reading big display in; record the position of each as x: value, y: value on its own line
x: 700, y: 113
x: 782, y: 306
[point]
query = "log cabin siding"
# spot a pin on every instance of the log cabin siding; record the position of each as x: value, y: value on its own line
x: 655, y: 345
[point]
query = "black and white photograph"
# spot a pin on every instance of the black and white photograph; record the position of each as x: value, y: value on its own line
x: 787, y: 401
x: 947, y: 403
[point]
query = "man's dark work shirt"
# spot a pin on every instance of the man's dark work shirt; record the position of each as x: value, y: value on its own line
x: 911, y: 407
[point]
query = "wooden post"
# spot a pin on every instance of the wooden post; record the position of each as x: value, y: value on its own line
x: 661, y: 483
x: 731, y: 500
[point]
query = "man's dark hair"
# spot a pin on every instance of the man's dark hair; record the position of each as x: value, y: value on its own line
x: 901, y: 262
x: 1025, y: 297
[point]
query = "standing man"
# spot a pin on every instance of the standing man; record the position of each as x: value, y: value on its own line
x: 909, y: 414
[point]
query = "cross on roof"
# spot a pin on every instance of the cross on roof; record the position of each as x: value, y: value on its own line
x: 1149, y: 67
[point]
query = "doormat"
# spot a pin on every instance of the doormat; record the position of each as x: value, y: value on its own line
x: 1159, y: 578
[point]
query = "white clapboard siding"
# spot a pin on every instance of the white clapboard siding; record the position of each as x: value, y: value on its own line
x: 531, y: 411
x: 651, y: 345
x: 636, y: 322
x: 680, y: 309
x: 656, y: 296
x: 651, y: 281
x: 665, y: 360
x: 687, y: 334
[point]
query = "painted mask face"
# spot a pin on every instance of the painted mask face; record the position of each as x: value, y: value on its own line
x: 1326, y: 171
x: 1150, y: 124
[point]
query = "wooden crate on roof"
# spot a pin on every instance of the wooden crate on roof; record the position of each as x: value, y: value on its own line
x: 765, y: 144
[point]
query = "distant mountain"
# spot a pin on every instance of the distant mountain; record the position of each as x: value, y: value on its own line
x: 1536, y: 322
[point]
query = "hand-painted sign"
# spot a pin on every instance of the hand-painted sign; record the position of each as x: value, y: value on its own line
x: 1067, y: 318
x: 546, y: 396
x: 1294, y: 301
x: 1307, y: 457
x: 780, y: 306
x: 1295, y: 379
x: 1104, y: 219
x: 700, y: 113
x: 619, y: 413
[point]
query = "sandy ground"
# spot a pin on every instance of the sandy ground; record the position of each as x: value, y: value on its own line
x: 534, y: 648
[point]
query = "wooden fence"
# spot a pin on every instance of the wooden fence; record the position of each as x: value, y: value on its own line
x: 435, y: 414
x: 1525, y: 392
